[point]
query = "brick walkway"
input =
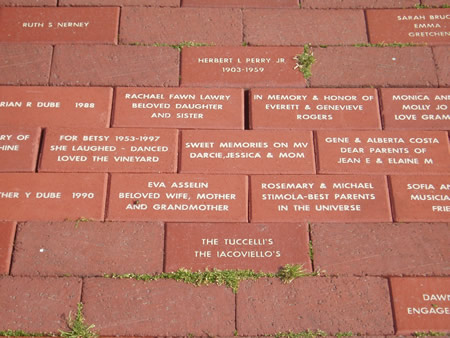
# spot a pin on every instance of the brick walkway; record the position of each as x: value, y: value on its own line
x: 141, y: 138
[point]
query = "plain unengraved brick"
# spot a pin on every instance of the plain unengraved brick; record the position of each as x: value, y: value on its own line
x: 175, y: 25
x: 358, y: 3
x: 287, y: 27
x: 360, y: 249
x: 434, y: 2
x: 7, y: 233
x: 157, y: 3
x: 88, y: 248
x: 159, y: 308
x: 242, y: 3
x: 371, y: 66
x: 114, y: 65
x: 442, y: 57
x: 38, y: 304
x: 37, y: 3
x: 331, y: 304
x: 22, y: 64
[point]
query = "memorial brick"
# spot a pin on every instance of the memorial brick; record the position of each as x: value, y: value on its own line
x: 242, y: 3
x: 421, y: 198
x: 106, y: 65
x: 55, y: 106
x: 7, y: 234
x: 314, y: 109
x: 249, y: 151
x: 176, y: 25
x: 196, y: 108
x: 58, y: 248
x: 421, y: 304
x: 319, y: 198
x: 259, y: 247
x: 383, y: 152
x: 287, y: 27
x: 338, y: 4
x: 416, y: 108
x: 59, y: 25
x: 442, y: 57
x: 19, y: 149
x: 178, y: 197
x: 109, y: 150
x: 430, y: 26
x: 38, y: 304
x: 52, y: 196
x: 241, y: 67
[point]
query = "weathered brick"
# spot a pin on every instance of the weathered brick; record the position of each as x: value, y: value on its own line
x: 442, y: 56
x: 38, y: 304
x: 88, y: 248
x: 7, y: 233
x: 37, y: 3
x: 434, y: 2
x: 324, y: 4
x: 176, y: 25
x: 159, y: 308
x: 114, y: 65
x: 242, y: 3
x: 156, y: 3
x: 381, y: 248
x: 331, y: 304
x: 371, y: 66
x: 272, y: 27
x: 23, y: 64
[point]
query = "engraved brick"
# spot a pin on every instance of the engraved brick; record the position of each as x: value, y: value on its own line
x: 7, y: 233
x: 420, y: 198
x: 59, y: 25
x: 178, y: 197
x: 176, y: 25
x: 382, y: 152
x: 441, y: 54
x: 196, y: 108
x: 109, y: 150
x: 421, y: 304
x: 158, y: 308
x: 157, y: 3
x: 326, y: 198
x: 23, y: 64
x: 19, y: 149
x: 416, y: 108
x: 287, y: 27
x: 357, y: 304
x: 428, y: 26
x: 318, y: 108
x: 58, y: 248
x: 37, y: 3
x: 114, y: 65
x: 381, y: 67
x: 241, y: 67
x: 260, y: 247
x: 368, y: 249
x: 251, y: 152
x: 54, y: 297
x: 324, y: 4
x: 52, y: 196
x: 242, y: 3
x: 55, y: 106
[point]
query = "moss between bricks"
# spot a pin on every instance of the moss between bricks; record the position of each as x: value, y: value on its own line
x: 394, y: 44
x: 421, y: 6
x: 178, y: 46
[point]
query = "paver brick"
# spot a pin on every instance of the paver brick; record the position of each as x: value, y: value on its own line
x: 314, y: 108
x: 55, y: 106
x: 242, y: 3
x: 52, y: 196
x: 38, y: 304
x: 416, y: 108
x: 196, y: 108
x: 333, y: 305
x: 324, y: 4
x: 420, y: 198
x: 442, y: 57
x: 157, y: 3
x: 19, y: 149
x: 240, y: 67
x: 371, y: 66
x: 382, y: 249
x: 421, y: 304
x: 23, y: 64
x: 251, y: 152
x: 88, y: 248
x: 59, y: 25
x: 159, y: 308
x: 289, y: 27
x: 259, y: 247
x: 105, y: 65
x: 37, y: 3
x: 177, y: 25
x: 7, y: 233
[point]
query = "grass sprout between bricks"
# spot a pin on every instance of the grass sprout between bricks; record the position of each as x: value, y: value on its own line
x: 305, y: 61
